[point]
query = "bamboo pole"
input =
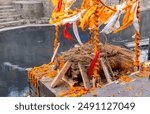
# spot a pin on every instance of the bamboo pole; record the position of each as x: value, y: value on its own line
x: 96, y: 43
x: 56, y: 38
x: 137, y: 38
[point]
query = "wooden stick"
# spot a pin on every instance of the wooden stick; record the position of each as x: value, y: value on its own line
x: 110, y: 69
x: 69, y: 81
x: 106, y: 72
x: 61, y: 74
x: 84, y: 77
x: 55, y: 52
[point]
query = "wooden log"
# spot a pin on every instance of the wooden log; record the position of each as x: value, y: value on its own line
x: 69, y: 81
x: 61, y: 74
x: 106, y: 72
x: 84, y: 77
x: 110, y: 69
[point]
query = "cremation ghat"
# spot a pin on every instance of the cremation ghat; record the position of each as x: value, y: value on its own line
x: 89, y: 66
x: 29, y: 9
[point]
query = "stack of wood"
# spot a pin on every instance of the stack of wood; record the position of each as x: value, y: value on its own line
x: 114, y: 61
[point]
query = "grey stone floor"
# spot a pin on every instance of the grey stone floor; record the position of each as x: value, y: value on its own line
x: 140, y: 87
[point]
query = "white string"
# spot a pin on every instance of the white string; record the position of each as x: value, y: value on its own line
x: 52, y: 59
x: 76, y: 33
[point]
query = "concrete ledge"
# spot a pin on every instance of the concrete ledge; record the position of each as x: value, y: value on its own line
x: 143, y: 42
x: 45, y: 90
x: 24, y: 26
x: 140, y: 87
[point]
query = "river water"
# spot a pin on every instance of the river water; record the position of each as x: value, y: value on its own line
x: 20, y: 49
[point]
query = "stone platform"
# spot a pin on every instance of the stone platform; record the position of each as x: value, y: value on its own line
x: 140, y: 87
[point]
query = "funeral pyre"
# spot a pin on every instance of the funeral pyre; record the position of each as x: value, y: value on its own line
x: 75, y: 67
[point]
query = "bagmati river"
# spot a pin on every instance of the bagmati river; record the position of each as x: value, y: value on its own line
x: 20, y: 49
x: 24, y: 48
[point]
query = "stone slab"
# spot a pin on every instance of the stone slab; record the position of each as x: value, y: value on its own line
x: 47, y: 91
x: 140, y: 87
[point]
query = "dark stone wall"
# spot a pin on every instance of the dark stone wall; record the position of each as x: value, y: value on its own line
x: 149, y: 50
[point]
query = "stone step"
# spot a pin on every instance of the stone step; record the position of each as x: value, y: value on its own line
x: 7, y: 10
x: 6, y: 7
x: 7, y: 19
x: 7, y: 13
x: 11, y: 23
x: 8, y: 16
